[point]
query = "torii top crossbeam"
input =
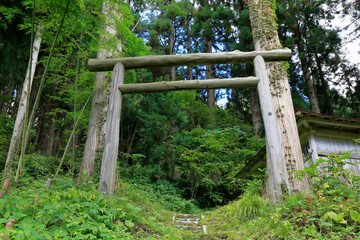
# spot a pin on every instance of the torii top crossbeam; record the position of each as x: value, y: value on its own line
x: 99, y: 65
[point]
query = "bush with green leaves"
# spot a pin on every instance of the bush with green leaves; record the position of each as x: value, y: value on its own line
x: 67, y: 211
x: 151, y: 179
x: 207, y: 161
x: 62, y: 212
x: 6, y: 128
x: 333, y: 210
x: 330, y: 211
x: 164, y: 137
x: 200, y: 164
x: 39, y: 165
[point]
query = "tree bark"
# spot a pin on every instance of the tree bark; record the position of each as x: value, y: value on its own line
x: 13, y: 151
x: 211, y: 92
x: 324, y: 88
x: 131, y: 140
x: 210, y: 75
x: 234, y: 102
x: 50, y: 140
x: 172, y: 49
x: 265, y: 37
x: 190, y: 73
x: 255, y: 105
x: 97, y: 123
x: 255, y: 111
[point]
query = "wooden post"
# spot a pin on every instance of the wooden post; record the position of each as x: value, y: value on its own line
x: 109, y: 159
x: 49, y: 182
x: 5, y: 187
x: 274, y: 145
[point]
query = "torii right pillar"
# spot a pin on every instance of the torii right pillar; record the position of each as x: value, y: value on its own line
x: 284, y: 154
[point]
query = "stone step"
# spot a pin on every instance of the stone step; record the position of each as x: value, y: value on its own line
x: 189, y: 222
x: 186, y: 216
x: 188, y: 219
x: 187, y: 226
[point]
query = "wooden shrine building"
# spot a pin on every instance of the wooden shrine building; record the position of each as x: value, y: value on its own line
x: 320, y: 135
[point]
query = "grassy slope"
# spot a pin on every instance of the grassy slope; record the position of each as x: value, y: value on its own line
x: 331, y: 211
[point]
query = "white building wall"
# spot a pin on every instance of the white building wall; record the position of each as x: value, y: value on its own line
x: 327, y: 145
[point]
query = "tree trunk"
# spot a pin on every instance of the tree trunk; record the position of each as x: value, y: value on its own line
x: 131, y: 139
x: 40, y: 121
x: 311, y: 90
x: 234, y: 102
x: 172, y: 50
x: 100, y: 99
x: 255, y: 105
x: 265, y: 37
x: 255, y: 111
x: 50, y: 139
x: 190, y: 73
x: 211, y: 92
x: 13, y: 151
x: 324, y: 88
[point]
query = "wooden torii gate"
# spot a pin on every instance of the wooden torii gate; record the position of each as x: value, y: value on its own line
x: 118, y: 88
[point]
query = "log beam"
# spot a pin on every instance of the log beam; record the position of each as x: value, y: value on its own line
x: 188, y: 85
x: 274, y: 143
x: 112, y: 132
x: 98, y: 65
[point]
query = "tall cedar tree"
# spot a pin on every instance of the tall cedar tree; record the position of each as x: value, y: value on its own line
x: 97, y: 121
x: 262, y: 17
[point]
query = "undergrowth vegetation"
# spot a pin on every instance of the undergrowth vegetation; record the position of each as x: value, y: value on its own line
x: 198, y: 165
x: 67, y: 211
x: 330, y: 211
x: 163, y: 191
x: 144, y: 204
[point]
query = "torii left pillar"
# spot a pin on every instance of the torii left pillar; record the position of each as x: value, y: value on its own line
x: 112, y: 132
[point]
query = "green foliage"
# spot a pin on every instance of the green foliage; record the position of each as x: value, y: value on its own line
x: 300, y: 25
x: 248, y: 207
x: 7, y: 15
x: 200, y: 163
x: 39, y: 165
x: 207, y: 161
x: 331, y: 211
x: 6, y: 127
x: 63, y: 212
x: 330, y: 174
x: 231, y: 217
x: 151, y: 179
x: 69, y: 212
x: 334, y: 208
